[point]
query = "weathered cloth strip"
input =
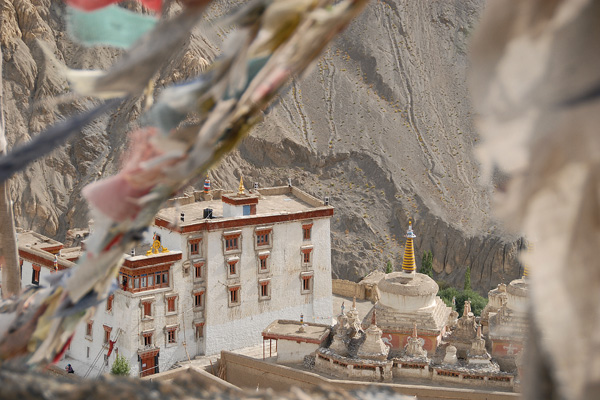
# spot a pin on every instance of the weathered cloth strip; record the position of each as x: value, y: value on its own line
x: 91, y: 5
x: 112, y: 25
x: 132, y: 72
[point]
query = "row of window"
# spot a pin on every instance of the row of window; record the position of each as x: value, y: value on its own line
x: 264, y: 293
x: 234, y: 299
x: 89, y: 329
x: 232, y: 240
x: 146, y: 279
x: 147, y: 337
x: 146, y: 306
x: 263, y: 264
x: 170, y: 336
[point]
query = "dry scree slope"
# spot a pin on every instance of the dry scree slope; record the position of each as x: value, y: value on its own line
x: 382, y: 125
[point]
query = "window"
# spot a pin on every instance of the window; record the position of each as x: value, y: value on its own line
x: 147, y: 339
x: 171, y: 334
x: 35, y: 274
x: 109, y: 303
x: 306, y: 231
x: 88, y: 328
x: 231, y: 243
x: 307, y: 283
x: 200, y: 330
x: 171, y: 304
x: 263, y: 262
x: 306, y: 255
x: 107, y: 330
x: 88, y: 352
x: 234, y: 296
x: 198, y: 270
x: 263, y: 238
x: 194, y: 245
x: 146, y: 309
x: 146, y: 279
x: 264, y: 290
x: 232, y: 267
x: 198, y: 299
x: 232, y: 240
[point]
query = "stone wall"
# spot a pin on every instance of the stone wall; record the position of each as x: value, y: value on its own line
x: 346, y: 288
x: 246, y: 372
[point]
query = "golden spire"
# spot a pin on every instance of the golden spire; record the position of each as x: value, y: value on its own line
x: 408, y: 263
x: 530, y: 247
x: 241, y: 188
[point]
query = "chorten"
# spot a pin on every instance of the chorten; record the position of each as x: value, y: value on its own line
x: 414, y: 347
x: 406, y: 298
x: 508, y: 326
x: 495, y: 298
x: 373, y: 347
x: 464, y: 332
x: 354, y: 324
x: 478, y: 354
x: 339, y: 344
x: 450, y: 357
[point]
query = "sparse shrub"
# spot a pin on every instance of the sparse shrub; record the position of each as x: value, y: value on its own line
x: 389, y: 268
x: 443, y: 285
x: 427, y: 264
x: 478, y: 303
x: 120, y: 366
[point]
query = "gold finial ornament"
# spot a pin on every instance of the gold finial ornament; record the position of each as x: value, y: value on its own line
x: 241, y: 188
x: 156, y: 248
x: 408, y: 263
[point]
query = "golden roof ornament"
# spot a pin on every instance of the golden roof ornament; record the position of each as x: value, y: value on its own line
x: 241, y: 188
x: 157, y: 247
x: 408, y: 262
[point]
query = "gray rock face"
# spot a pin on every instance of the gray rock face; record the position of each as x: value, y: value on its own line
x: 382, y: 125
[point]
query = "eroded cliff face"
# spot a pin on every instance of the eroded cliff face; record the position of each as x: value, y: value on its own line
x: 382, y: 125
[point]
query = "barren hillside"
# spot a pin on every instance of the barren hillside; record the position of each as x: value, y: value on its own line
x: 382, y: 125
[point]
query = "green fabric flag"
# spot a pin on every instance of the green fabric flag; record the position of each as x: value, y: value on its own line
x: 112, y: 25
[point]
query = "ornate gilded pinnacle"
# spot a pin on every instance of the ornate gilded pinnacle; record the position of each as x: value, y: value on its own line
x: 157, y: 247
x: 408, y: 263
x: 241, y: 188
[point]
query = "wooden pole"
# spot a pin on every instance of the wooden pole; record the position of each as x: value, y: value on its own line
x: 9, y: 259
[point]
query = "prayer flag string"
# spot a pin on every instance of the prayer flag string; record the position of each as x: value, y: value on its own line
x: 275, y: 40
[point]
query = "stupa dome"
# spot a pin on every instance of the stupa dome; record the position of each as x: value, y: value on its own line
x: 406, y: 296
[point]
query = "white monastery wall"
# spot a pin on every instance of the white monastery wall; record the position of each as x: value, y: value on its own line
x: 290, y: 351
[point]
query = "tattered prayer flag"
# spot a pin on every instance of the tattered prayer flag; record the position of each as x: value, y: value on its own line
x: 112, y: 25
x: 91, y: 5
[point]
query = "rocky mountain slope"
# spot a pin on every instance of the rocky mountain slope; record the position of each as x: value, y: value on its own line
x: 382, y: 125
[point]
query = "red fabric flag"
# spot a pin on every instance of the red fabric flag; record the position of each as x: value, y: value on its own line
x: 111, y: 345
x: 58, y: 355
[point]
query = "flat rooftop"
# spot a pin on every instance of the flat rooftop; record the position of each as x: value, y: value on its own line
x: 280, y: 200
x: 289, y: 330
x: 36, y: 241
